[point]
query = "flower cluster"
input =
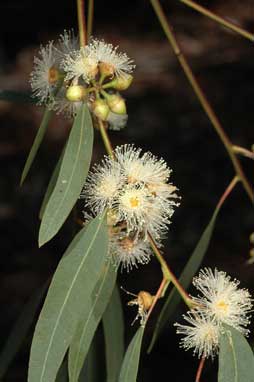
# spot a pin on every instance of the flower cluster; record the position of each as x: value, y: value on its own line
x: 134, y: 187
x: 221, y: 302
x: 65, y: 76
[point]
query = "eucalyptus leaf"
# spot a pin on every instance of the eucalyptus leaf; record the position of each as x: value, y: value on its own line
x: 51, y: 185
x: 69, y: 292
x: 90, y: 318
x: 37, y: 142
x: 114, y: 339
x: 93, y: 369
x: 129, y: 369
x: 185, y: 279
x: 20, y: 329
x: 236, y: 359
x: 17, y: 96
x: 72, y: 175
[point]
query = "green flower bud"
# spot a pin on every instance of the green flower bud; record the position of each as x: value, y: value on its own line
x: 75, y: 93
x: 116, y: 104
x: 122, y: 82
x: 100, y: 109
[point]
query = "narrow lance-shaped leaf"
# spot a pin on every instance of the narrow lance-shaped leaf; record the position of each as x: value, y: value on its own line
x: 51, y: 185
x: 17, y: 96
x: 129, y: 369
x: 236, y: 359
x: 37, y: 142
x: 90, y: 318
x: 72, y: 175
x: 93, y: 368
x: 114, y: 339
x: 70, y: 290
x: 185, y: 279
x: 20, y: 329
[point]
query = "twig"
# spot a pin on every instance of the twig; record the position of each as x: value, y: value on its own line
x: 218, y: 19
x: 201, y: 96
x: 90, y: 18
x: 200, y: 369
x: 81, y: 22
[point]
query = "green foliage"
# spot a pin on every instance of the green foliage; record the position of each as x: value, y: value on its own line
x: 51, y: 185
x: 37, y: 142
x: 18, y: 97
x: 114, y: 339
x: 73, y: 171
x: 70, y: 291
x: 20, y: 330
x: 129, y: 369
x: 236, y: 359
x: 90, y: 318
x: 189, y: 271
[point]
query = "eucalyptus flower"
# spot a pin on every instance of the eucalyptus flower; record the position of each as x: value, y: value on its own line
x: 201, y: 333
x: 46, y: 73
x: 222, y: 299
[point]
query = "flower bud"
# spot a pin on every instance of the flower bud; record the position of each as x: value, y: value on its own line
x: 116, y: 104
x: 101, y: 109
x: 122, y: 82
x: 75, y: 93
x: 145, y: 299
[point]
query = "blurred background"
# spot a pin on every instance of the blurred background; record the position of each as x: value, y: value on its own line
x: 164, y: 117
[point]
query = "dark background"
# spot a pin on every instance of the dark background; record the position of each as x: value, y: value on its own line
x: 164, y: 117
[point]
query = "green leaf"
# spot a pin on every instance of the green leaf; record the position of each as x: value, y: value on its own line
x: 37, y: 142
x: 51, y: 185
x: 14, y: 96
x: 20, y: 329
x: 72, y: 175
x: 129, y: 369
x: 62, y: 375
x: 91, y: 316
x: 69, y: 292
x: 185, y: 279
x: 93, y: 369
x: 114, y: 339
x: 236, y: 359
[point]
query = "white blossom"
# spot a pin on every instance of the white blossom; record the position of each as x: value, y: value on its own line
x: 45, y: 75
x: 105, y: 53
x: 201, y: 334
x: 80, y: 64
x: 222, y: 300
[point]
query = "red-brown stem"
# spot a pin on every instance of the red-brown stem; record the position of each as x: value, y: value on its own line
x: 168, y: 274
x: 200, y: 369
x: 90, y: 18
x: 227, y: 191
x: 81, y: 22
x: 158, y: 295
x: 219, y: 19
x: 201, y: 96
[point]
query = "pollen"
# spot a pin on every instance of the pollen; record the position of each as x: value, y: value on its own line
x: 134, y: 202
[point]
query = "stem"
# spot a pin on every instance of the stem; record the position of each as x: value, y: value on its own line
x: 105, y: 139
x: 200, y: 369
x: 201, y: 96
x: 81, y: 22
x: 227, y: 191
x: 158, y: 295
x: 90, y: 18
x: 168, y: 274
x: 243, y: 151
x: 219, y: 19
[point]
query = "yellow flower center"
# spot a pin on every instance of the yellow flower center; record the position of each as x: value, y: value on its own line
x: 134, y: 202
x: 221, y: 305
